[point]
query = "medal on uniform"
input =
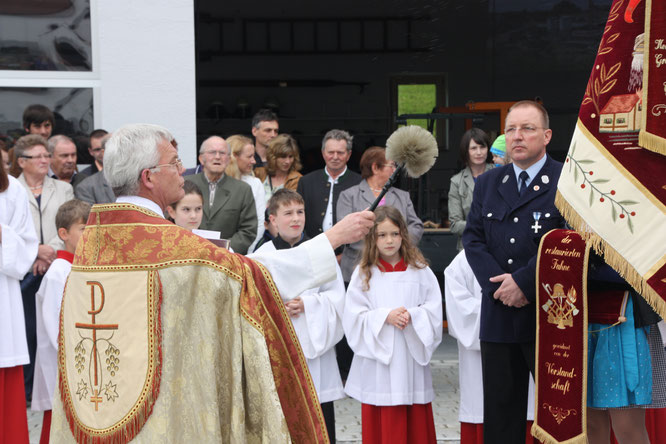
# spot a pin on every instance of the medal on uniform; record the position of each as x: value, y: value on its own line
x: 536, y: 227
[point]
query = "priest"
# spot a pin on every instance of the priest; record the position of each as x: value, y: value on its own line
x: 165, y: 337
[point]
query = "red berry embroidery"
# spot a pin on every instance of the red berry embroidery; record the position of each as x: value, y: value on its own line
x: 582, y: 185
x: 612, y: 192
x: 591, y: 173
x: 633, y: 213
x: 622, y: 216
x: 601, y: 199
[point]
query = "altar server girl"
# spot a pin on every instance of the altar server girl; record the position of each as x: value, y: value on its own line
x: 188, y: 211
x: 393, y: 323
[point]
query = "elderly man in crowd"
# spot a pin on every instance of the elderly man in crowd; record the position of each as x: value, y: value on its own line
x: 321, y: 188
x: 228, y: 203
x: 63, y: 158
x: 95, y: 189
x: 264, y: 129
x: 196, y: 344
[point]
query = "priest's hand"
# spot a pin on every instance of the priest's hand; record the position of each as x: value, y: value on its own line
x: 294, y: 307
x: 398, y: 317
x: 352, y: 228
x: 509, y: 292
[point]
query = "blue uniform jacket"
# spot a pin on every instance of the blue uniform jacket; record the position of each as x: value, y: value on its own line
x: 500, y: 238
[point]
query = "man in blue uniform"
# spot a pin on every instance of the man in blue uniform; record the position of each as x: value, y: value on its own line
x: 513, y: 207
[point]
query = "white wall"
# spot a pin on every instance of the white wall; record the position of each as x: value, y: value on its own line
x: 146, y: 66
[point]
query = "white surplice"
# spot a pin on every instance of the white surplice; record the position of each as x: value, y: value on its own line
x: 318, y: 329
x: 18, y: 250
x: 391, y: 366
x: 462, y: 294
x: 48, y: 302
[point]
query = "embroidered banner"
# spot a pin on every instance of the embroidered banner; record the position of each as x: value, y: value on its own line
x: 611, y: 189
x: 561, y: 348
x: 653, y: 128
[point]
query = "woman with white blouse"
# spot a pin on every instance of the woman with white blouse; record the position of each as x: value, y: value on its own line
x: 241, y: 167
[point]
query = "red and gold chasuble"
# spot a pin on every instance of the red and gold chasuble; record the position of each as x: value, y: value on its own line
x: 111, y: 359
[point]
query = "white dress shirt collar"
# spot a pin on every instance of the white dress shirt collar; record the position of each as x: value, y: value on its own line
x: 141, y: 202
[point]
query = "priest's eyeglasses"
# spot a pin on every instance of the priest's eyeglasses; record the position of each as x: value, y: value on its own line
x: 178, y: 164
x: 527, y: 130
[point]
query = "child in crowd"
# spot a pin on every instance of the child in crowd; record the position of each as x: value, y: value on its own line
x: 188, y: 211
x: 315, y: 313
x: 270, y: 231
x: 70, y: 222
x: 393, y: 323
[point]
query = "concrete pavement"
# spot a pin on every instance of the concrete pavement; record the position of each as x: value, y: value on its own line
x: 444, y: 367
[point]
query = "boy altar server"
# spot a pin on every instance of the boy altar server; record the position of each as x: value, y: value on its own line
x: 316, y: 313
x: 70, y: 222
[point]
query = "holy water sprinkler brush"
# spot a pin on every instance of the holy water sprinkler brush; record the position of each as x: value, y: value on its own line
x: 413, y: 149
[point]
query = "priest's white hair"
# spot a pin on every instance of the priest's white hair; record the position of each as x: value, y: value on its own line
x: 130, y: 150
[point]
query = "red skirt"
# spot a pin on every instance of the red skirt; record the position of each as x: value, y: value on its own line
x: 13, y: 417
x: 399, y: 424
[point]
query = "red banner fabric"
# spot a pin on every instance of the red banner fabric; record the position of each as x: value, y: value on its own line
x: 561, y: 356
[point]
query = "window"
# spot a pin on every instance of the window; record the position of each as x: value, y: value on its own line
x: 37, y: 35
x: 47, y: 58
x: 418, y: 94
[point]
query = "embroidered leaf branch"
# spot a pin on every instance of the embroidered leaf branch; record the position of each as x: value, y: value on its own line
x: 619, y: 208
x: 601, y: 84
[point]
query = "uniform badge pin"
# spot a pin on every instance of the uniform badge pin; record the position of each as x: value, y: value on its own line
x: 536, y: 187
x: 545, y: 179
x: 505, y: 178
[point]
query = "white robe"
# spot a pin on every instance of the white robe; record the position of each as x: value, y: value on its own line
x: 18, y: 250
x: 48, y: 302
x: 462, y: 293
x: 391, y: 366
x: 318, y: 329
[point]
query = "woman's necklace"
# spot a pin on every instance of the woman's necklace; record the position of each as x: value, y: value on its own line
x: 37, y: 187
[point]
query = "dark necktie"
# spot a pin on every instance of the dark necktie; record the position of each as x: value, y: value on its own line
x: 522, y: 182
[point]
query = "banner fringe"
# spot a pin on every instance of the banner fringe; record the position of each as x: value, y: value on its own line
x: 652, y: 142
x: 610, y: 255
x: 546, y: 438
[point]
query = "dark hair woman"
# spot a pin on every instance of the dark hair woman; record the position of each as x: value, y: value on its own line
x: 476, y: 157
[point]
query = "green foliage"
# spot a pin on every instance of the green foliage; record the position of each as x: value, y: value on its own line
x: 417, y: 99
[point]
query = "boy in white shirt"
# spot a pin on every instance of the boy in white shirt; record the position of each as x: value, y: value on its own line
x: 316, y: 313
x: 70, y: 222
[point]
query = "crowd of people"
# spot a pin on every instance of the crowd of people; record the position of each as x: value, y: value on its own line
x: 369, y: 325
